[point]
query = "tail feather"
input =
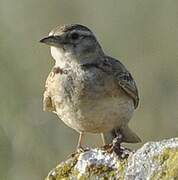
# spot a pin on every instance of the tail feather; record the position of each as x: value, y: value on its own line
x: 127, y: 135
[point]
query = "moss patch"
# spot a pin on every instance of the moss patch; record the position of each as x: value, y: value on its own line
x: 155, y: 160
x: 66, y: 171
x: 63, y: 170
x: 168, y: 161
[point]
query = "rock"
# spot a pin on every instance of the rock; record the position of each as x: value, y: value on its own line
x: 155, y: 160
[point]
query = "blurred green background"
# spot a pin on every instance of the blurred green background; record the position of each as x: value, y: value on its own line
x: 142, y: 33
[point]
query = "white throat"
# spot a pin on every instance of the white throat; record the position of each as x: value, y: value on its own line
x: 65, y: 59
x: 59, y: 57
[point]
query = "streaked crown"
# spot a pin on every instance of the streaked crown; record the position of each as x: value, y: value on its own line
x: 68, y: 28
x: 74, y: 39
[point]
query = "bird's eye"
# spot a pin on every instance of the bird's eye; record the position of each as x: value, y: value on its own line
x: 74, y: 36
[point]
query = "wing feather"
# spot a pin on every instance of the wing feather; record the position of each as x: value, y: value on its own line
x: 124, y: 78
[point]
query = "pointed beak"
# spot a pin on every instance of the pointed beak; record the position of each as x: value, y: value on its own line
x: 48, y: 40
x: 52, y: 40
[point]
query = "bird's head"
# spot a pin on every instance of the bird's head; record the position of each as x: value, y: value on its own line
x: 72, y: 42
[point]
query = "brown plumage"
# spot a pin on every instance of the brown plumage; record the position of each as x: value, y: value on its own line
x: 88, y: 90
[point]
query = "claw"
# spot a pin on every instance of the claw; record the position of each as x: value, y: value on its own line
x: 78, y: 151
x: 121, y: 151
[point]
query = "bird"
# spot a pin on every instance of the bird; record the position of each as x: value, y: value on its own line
x: 89, y: 91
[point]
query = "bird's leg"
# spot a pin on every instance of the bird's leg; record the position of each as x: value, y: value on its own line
x: 80, y: 141
x: 105, y: 146
x: 117, y: 143
x: 103, y: 139
x: 79, y: 148
x: 122, y: 152
x: 117, y: 139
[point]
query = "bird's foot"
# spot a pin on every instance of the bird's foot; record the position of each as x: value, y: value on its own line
x: 121, y: 152
x: 116, y: 147
x: 78, y: 151
x: 108, y: 148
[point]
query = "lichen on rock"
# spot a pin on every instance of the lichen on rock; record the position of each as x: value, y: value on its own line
x: 147, y: 161
x: 155, y: 160
x: 91, y: 164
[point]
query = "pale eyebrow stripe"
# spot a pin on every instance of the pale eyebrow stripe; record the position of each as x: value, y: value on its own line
x: 83, y: 32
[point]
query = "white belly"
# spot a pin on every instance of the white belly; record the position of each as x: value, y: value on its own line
x: 90, y: 101
x: 97, y: 116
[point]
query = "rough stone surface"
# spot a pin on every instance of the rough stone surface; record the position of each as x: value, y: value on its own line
x: 154, y: 160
